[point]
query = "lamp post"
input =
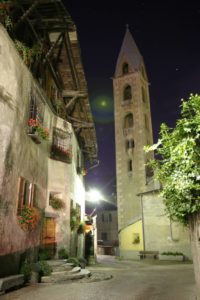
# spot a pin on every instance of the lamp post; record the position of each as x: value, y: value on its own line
x: 93, y: 197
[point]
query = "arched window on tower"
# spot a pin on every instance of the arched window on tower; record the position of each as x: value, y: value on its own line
x: 144, y: 96
x: 130, y: 144
x: 127, y: 93
x: 128, y: 124
x: 130, y: 166
x: 143, y: 71
x: 128, y: 121
x: 125, y: 69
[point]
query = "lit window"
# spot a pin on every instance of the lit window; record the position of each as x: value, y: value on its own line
x: 26, y: 193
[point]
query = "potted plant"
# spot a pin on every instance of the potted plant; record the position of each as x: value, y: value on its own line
x: 56, y: 203
x: 59, y: 153
x: 28, y: 218
x: 37, y: 130
x: 177, y: 256
x: 81, y: 228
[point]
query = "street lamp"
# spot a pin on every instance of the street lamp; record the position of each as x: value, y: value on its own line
x: 94, y: 195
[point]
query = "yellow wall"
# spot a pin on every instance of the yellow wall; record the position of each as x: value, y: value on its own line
x: 127, y: 237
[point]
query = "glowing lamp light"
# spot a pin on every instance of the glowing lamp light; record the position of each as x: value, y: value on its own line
x: 94, y: 196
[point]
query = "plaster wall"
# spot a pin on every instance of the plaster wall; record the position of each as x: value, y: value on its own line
x: 160, y: 233
x: 21, y: 156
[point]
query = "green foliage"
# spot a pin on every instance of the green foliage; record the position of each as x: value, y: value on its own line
x: 44, y: 268
x: 4, y: 15
x: 27, y: 54
x: 74, y: 261
x: 63, y: 253
x: 172, y: 253
x: 178, y: 169
x: 56, y: 203
x: 81, y: 228
x: 26, y: 269
x: 74, y: 218
x: 44, y: 254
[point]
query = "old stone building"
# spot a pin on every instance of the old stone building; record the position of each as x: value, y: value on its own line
x: 142, y: 222
x: 47, y: 134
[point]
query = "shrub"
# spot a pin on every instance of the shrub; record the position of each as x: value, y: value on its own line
x: 74, y: 261
x: 56, y: 203
x: 44, y: 254
x: 45, y: 268
x: 26, y: 269
x: 172, y: 253
x: 63, y: 253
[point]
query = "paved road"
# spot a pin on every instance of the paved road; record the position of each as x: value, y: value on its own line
x: 132, y: 280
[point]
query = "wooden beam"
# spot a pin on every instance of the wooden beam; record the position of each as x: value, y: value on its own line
x: 71, y: 60
x: 86, y: 124
x: 73, y: 93
x: 26, y: 13
x: 52, y: 47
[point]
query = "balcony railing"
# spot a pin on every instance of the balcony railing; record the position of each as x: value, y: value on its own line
x: 60, y: 153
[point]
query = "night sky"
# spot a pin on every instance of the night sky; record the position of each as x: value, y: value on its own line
x: 167, y: 34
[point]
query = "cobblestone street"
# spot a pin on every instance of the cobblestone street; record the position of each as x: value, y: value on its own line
x: 131, y: 280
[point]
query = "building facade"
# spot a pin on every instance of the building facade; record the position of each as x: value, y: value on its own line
x: 47, y: 134
x: 140, y: 209
x: 107, y: 231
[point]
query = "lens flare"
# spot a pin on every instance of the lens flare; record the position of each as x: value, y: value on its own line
x: 102, y: 108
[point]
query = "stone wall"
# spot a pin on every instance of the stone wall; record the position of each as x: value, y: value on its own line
x: 21, y: 156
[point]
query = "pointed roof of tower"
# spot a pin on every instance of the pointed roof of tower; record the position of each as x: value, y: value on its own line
x: 129, y: 53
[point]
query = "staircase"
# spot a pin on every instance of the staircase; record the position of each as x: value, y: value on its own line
x: 63, y: 271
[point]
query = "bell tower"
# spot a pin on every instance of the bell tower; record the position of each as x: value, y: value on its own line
x: 133, y: 130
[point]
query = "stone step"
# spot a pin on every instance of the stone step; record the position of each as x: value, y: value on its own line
x: 75, y: 270
x: 63, y: 267
x: 64, y: 277
x: 56, y: 262
x: 9, y: 282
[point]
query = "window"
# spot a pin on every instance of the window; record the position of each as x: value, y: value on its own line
x: 143, y: 72
x: 125, y: 69
x: 144, y: 96
x: 146, y: 121
x: 61, y: 147
x: 128, y: 121
x: 130, y: 165
x: 110, y: 217
x: 104, y: 236
x: 127, y: 93
x: 130, y: 144
x: 36, y: 109
x: 102, y: 217
x: 149, y: 173
x: 26, y: 193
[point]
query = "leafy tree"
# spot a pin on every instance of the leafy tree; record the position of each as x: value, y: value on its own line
x: 178, y: 166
